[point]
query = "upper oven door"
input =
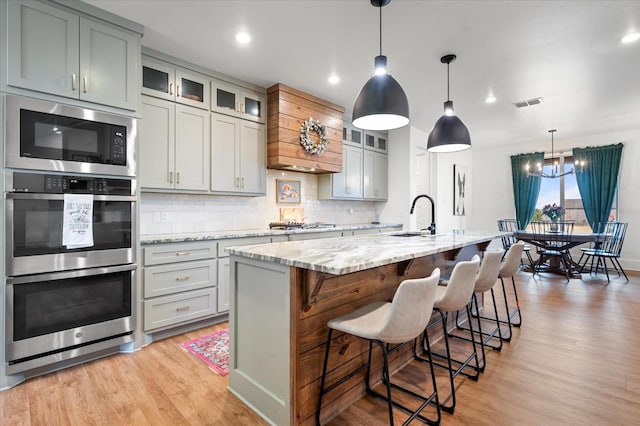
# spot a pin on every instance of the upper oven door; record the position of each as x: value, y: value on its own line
x: 43, y: 135
x: 34, y: 234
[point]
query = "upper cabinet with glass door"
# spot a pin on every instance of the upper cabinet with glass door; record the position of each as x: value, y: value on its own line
x: 166, y: 81
x: 376, y: 141
x: 237, y: 101
x: 352, y: 135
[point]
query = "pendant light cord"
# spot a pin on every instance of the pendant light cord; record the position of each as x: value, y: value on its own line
x: 380, y: 29
x: 448, y: 99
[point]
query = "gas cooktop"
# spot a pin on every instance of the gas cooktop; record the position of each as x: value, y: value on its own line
x: 300, y: 225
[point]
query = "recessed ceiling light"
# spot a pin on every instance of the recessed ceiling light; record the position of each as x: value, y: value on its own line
x: 243, y: 38
x: 490, y: 99
x: 334, y: 79
x: 631, y: 37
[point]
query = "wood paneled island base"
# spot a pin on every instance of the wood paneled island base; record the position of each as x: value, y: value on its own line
x: 279, y: 314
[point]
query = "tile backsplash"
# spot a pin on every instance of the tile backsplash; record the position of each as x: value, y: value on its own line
x: 183, y: 213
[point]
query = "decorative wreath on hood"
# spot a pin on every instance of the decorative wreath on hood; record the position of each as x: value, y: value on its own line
x: 311, y: 125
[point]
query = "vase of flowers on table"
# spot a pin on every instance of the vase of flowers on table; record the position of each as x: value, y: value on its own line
x: 554, y: 212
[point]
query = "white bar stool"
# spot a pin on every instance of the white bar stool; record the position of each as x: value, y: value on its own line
x: 385, y: 323
x: 485, y: 281
x: 452, y: 298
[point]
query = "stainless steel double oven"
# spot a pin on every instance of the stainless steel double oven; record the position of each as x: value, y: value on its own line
x: 64, y: 302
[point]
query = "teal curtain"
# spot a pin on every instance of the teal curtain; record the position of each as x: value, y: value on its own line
x: 525, y: 188
x: 597, y: 181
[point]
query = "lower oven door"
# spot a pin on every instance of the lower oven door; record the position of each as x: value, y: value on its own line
x: 34, y: 234
x: 56, y: 312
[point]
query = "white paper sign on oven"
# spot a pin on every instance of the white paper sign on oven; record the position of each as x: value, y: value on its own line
x: 77, y: 224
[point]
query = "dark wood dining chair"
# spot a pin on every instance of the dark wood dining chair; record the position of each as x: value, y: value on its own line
x: 607, y: 247
x: 513, y: 225
x: 554, y: 238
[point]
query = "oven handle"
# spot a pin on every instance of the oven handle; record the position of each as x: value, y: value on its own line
x: 40, y: 196
x: 70, y: 274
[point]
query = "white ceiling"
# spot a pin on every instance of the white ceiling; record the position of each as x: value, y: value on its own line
x: 567, y: 52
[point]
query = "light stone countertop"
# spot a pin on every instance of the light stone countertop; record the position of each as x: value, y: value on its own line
x: 345, y: 255
x: 220, y: 235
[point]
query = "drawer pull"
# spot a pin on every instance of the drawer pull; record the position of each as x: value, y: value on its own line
x: 182, y: 308
x: 183, y: 253
x: 183, y: 278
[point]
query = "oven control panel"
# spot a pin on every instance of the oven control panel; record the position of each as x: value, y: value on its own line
x: 61, y: 184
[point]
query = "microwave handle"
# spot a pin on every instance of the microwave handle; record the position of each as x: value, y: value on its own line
x: 34, y: 196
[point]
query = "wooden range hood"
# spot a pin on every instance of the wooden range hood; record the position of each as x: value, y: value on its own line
x: 287, y: 109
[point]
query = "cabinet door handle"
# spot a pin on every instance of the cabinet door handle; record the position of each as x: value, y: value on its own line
x: 73, y: 82
x: 242, y: 180
x: 183, y: 253
x: 170, y: 177
x: 84, y: 84
x: 182, y: 308
x: 237, y: 182
x: 238, y: 106
x: 241, y: 106
x: 177, y: 90
x: 178, y: 178
x: 171, y: 88
x: 185, y: 278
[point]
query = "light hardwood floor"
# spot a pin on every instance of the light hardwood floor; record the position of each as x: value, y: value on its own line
x: 575, y: 360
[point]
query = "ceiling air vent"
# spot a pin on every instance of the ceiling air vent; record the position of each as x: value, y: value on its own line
x: 528, y: 102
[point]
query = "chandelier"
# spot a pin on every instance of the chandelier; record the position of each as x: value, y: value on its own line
x: 578, y: 167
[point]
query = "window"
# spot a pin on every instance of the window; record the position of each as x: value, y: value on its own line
x: 564, y: 192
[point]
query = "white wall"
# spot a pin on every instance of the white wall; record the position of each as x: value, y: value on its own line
x: 396, y: 209
x: 444, y: 181
x: 407, y: 156
x: 493, y: 189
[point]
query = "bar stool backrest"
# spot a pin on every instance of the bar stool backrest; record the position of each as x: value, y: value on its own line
x: 511, y: 264
x: 460, y: 287
x: 489, y: 270
x: 411, y: 309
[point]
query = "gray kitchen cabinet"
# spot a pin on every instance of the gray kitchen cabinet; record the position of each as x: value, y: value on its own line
x: 376, y: 141
x: 375, y: 175
x: 223, y: 284
x: 238, y: 156
x: 167, y: 81
x: 351, y: 135
x: 234, y: 100
x: 179, y: 284
x: 346, y: 184
x: 223, y: 264
x: 56, y: 51
x: 174, y: 146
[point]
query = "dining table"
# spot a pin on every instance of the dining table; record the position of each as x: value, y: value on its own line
x: 566, y: 242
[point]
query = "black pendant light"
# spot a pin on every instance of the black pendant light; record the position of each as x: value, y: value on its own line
x: 449, y: 134
x: 381, y: 104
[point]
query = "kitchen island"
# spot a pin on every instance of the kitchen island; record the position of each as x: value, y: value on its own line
x: 283, y: 294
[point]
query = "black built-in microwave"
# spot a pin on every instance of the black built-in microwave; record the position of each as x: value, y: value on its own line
x: 49, y: 136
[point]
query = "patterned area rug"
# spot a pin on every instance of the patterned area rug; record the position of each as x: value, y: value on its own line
x: 213, y: 349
